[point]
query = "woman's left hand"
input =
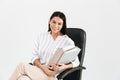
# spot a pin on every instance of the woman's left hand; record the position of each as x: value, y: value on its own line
x: 61, y: 67
x: 64, y: 66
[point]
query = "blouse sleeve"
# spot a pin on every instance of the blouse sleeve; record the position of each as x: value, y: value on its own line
x: 35, y: 53
x: 76, y: 62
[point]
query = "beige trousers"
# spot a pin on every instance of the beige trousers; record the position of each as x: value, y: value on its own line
x: 29, y: 72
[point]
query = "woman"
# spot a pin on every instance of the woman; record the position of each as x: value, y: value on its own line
x: 45, y: 47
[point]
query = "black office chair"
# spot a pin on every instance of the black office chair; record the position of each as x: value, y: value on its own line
x: 79, y: 37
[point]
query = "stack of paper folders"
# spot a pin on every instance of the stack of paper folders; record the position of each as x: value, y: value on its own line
x: 65, y: 55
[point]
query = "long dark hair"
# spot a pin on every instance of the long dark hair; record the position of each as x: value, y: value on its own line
x: 63, y: 17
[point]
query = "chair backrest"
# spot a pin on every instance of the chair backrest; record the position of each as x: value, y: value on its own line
x: 79, y: 37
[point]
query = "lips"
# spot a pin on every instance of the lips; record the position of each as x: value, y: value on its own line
x: 54, y: 29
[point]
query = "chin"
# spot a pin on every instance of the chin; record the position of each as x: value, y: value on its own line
x: 55, y: 31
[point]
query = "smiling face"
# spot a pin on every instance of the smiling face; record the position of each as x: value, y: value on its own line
x: 56, y: 24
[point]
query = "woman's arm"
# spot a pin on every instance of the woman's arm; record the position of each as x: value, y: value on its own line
x: 63, y: 66
x: 44, y: 68
x: 73, y: 64
x: 37, y: 63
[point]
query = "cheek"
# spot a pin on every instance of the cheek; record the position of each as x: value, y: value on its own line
x: 59, y: 28
x: 51, y: 26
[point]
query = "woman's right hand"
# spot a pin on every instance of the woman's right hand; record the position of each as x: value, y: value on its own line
x: 47, y: 71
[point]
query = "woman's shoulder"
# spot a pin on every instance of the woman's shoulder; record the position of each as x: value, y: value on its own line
x: 42, y: 35
x: 69, y: 39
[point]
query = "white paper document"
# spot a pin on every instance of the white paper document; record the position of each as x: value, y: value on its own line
x: 65, y: 56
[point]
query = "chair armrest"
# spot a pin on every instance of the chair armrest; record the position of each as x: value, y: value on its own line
x: 68, y: 71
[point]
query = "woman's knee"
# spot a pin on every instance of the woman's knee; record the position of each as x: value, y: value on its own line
x: 21, y: 64
x: 24, y: 78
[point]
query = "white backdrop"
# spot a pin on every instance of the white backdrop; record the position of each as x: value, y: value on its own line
x: 22, y: 20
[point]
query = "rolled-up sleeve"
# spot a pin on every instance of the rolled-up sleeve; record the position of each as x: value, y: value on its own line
x: 76, y: 62
x: 70, y: 42
x: 35, y: 52
x: 34, y: 57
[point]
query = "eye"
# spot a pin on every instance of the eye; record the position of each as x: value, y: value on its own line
x: 54, y: 22
x: 59, y: 24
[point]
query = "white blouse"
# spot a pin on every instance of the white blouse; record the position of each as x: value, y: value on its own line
x: 45, y: 47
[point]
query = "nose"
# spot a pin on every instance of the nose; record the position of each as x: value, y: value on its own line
x: 55, y: 25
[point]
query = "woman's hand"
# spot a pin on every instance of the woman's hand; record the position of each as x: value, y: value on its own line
x: 53, y: 67
x: 49, y: 72
x: 61, y: 67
